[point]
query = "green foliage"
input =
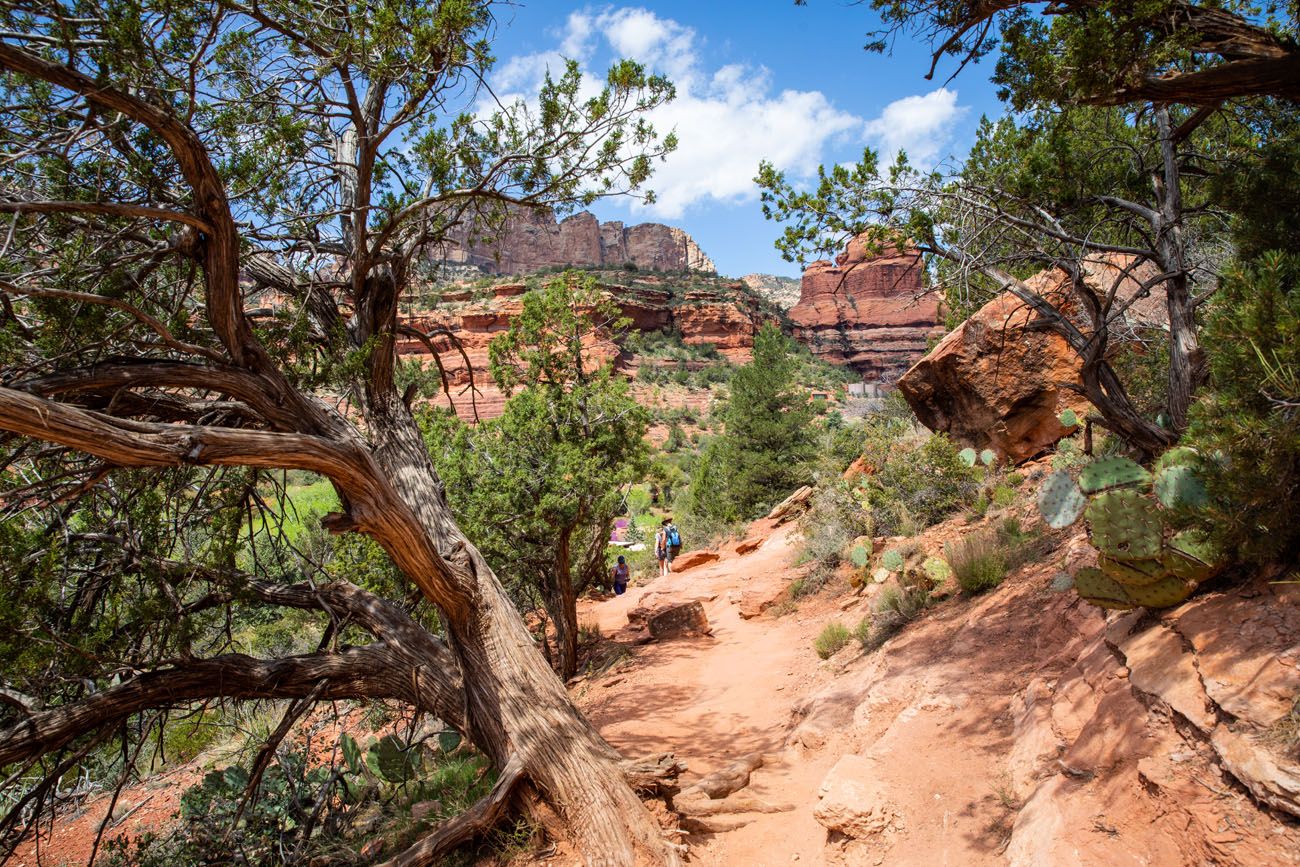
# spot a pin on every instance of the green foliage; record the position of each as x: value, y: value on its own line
x: 892, y: 560
x: 1249, y: 416
x: 764, y: 452
x: 919, y: 480
x: 537, y: 489
x: 833, y: 520
x: 833, y: 637
x: 978, y: 561
x: 1003, y: 496
x: 1134, y: 521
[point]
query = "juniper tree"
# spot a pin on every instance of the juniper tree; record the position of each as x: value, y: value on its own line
x: 215, y: 209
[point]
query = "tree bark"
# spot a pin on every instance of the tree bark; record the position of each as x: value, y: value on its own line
x: 516, y: 706
x: 1186, y: 360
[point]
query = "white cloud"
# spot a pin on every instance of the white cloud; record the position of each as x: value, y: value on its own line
x: 726, y: 119
x: 922, y: 126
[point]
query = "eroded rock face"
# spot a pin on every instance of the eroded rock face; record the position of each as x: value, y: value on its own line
x: 722, y: 313
x: 870, y: 313
x: 532, y: 240
x: 995, y: 381
x: 781, y: 291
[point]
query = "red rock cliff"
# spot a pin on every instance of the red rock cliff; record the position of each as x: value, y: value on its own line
x: 723, y: 313
x: 870, y: 313
x: 533, y: 240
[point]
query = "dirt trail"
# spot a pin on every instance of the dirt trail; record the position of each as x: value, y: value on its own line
x: 999, y: 730
x: 712, y: 700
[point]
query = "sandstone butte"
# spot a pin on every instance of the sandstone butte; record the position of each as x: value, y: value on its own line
x: 723, y: 313
x: 995, y: 382
x: 532, y: 240
x: 872, y: 314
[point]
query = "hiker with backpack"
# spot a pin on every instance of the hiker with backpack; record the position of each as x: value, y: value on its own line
x: 620, y: 576
x: 668, y: 544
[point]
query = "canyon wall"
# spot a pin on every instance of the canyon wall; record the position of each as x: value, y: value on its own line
x: 533, y: 240
x: 721, y: 313
x: 870, y: 313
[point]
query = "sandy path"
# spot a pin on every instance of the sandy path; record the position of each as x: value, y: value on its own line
x: 712, y: 700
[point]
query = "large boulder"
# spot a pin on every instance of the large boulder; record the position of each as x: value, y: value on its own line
x: 998, y: 381
x: 851, y: 800
x: 676, y: 621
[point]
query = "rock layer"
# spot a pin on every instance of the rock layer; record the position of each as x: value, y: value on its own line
x: 995, y: 381
x: 532, y: 240
x: 871, y: 313
x: 724, y: 314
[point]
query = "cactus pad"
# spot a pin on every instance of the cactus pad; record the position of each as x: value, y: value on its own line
x: 1069, y: 418
x: 1192, y: 555
x: 448, y: 741
x: 1096, y: 588
x: 351, y: 753
x: 1133, y: 573
x: 1060, y: 501
x: 1164, y: 593
x: 892, y: 560
x: 1182, y: 456
x: 968, y: 456
x: 1110, y: 473
x: 988, y: 457
x: 394, y: 763
x: 860, y: 556
x: 1125, y: 525
x: 938, y: 569
x: 1180, y: 486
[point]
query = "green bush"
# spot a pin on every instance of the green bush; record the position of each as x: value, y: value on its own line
x: 1249, y: 415
x: 834, y: 518
x: 1003, y: 496
x: 918, y: 482
x: 978, y: 561
x: 832, y: 637
x: 862, y: 632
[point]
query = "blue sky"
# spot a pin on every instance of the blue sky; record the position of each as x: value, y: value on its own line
x: 757, y: 79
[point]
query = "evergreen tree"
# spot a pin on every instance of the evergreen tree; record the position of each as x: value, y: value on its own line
x: 537, y: 489
x: 768, y: 442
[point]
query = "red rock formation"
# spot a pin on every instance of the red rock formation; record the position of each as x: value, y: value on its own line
x: 725, y: 315
x: 533, y: 240
x: 871, y: 313
x: 994, y: 382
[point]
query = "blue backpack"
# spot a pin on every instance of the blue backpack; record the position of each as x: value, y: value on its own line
x: 674, y: 537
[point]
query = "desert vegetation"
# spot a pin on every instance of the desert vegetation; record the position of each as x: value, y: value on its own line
x: 244, y: 542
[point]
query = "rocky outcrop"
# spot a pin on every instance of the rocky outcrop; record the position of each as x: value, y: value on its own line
x: 781, y: 291
x: 870, y: 313
x: 678, y: 621
x: 532, y: 240
x: 722, y: 313
x: 995, y: 381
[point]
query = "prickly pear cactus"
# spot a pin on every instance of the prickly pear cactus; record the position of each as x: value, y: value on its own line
x: 892, y: 560
x: 968, y: 456
x: 988, y: 457
x: 860, y: 556
x: 393, y: 762
x: 1060, y: 501
x: 1140, y: 559
x: 1110, y: 473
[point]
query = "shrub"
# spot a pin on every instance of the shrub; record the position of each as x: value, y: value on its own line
x: 832, y: 637
x: 862, y: 632
x: 1003, y: 496
x: 918, y: 483
x: 978, y: 561
x: 1015, y: 480
x: 1250, y: 414
x: 834, y: 519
